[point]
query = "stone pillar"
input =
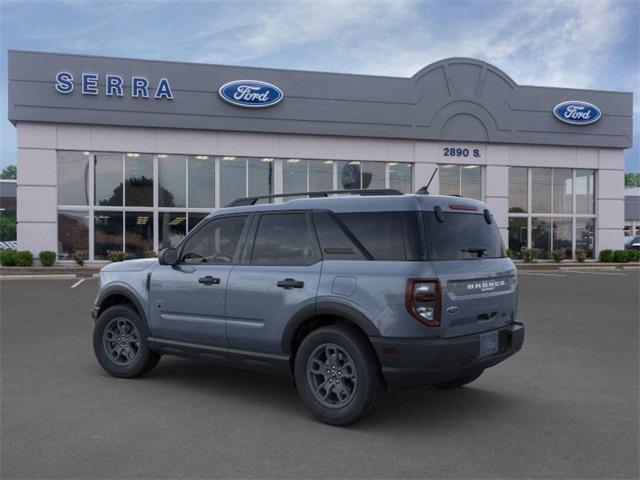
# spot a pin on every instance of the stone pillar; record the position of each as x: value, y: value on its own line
x: 610, y: 200
x: 37, y: 188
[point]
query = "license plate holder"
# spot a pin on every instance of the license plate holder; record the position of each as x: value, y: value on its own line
x: 489, y: 344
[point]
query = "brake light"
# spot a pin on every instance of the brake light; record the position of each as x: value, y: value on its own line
x: 423, y: 301
x: 460, y: 206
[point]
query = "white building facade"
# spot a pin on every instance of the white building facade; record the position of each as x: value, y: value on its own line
x: 101, y: 168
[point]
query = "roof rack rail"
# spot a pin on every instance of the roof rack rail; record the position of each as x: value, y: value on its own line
x: 245, y: 201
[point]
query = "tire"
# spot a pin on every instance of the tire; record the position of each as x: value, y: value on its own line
x: 459, y: 382
x: 338, y: 363
x: 132, y: 357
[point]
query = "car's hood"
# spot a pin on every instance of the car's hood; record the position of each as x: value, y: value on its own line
x: 130, y: 265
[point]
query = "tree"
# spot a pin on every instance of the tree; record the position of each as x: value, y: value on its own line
x: 632, y: 180
x: 9, y: 173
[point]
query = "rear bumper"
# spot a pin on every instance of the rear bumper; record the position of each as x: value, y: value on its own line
x: 413, y: 363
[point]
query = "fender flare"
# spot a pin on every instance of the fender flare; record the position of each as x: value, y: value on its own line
x: 326, y: 308
x: 125, y: 291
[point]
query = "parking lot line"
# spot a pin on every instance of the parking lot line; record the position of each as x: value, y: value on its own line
x: 78, y: 283
x: 599, y: 273
x: 543, y: 274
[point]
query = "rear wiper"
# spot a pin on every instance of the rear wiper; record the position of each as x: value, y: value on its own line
x: 479, y: 250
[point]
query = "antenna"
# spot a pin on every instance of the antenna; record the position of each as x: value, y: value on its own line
x: 425, y: 190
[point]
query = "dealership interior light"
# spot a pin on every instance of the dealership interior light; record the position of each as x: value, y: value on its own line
x: 202, y: 157
x: 293, y: 160
x: 267, y: 160
x: 228, y: 158
x: 162, y: 155
x: 133, y: 155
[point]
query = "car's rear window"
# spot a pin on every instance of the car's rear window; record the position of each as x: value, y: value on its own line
x: 462, y: 236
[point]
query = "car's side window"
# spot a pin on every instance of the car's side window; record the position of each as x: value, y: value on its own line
x: 284, y: 239
x: 382, y: 234
x: 217, y: 242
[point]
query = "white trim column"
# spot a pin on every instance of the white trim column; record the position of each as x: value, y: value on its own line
x: 36, y: 188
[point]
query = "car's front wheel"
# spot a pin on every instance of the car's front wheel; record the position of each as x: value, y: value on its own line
x: 120, y: 343
x: 337, y: 375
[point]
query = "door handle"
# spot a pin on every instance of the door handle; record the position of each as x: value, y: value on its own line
x: 209, y: 280
x: 290, y: 283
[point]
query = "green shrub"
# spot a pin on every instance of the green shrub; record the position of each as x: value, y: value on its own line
x: 150, y: 254
x: 509, y: 253
x: 47, y: 258
x: 633, y: 255
x: 528, y: 254
x: 620, y: 256
x: 24, y: 258
x: 606, y: 256
x: 558, y: 255
x: 116, y: 255
x: 581, y: 255
x: 79, y: 256
x: 8, y: 258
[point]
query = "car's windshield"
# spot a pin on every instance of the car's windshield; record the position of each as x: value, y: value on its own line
x: 462, y: 236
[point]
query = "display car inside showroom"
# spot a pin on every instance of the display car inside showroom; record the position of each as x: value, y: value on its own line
x: 124, y: 154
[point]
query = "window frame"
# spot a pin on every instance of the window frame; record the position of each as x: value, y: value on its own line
x: 247, y: 254
x: 239, y: 248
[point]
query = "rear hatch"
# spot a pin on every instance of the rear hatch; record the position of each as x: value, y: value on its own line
x: 479, y: 289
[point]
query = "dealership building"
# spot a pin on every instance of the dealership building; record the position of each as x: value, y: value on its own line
x: 124, y: 154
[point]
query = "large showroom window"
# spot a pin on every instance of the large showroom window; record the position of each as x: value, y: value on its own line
x: 464, y: 180
x: 551, y: 209
x: 138, y: 202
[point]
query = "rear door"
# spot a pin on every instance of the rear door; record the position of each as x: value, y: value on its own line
x: 278, y: 276
x: 478, y: 282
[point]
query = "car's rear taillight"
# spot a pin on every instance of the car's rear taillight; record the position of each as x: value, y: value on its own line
x: 423, y: 301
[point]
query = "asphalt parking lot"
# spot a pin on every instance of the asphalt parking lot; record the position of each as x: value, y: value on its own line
x: 565, y: 407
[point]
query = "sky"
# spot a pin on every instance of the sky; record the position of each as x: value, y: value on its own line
x: 567, y: 43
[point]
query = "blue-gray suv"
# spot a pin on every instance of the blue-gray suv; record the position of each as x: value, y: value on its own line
x: 349, y: 295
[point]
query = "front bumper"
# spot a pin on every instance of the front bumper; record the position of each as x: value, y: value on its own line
x: 413, y: 363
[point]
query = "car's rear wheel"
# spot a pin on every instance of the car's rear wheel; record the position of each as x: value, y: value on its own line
x: 337, y: 375
x: 459, y: 382
x: 120, y: 343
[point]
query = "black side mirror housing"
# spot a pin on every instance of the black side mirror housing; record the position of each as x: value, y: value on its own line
x: 168, y: 256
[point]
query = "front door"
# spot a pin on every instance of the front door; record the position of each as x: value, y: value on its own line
x: 187, y: 300
x: 278, y: 276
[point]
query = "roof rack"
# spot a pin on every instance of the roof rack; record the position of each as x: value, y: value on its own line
x: 245, y: 201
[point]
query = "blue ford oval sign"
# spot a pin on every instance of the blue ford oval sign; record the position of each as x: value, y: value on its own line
x: 577, y: 112
x: 250, y: 93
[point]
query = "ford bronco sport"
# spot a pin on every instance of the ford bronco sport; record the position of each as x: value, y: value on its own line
x: 349, y: 295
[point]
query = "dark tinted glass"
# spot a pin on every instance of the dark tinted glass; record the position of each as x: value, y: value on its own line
x: 216, y: 242
x: 195, y: 218
x: 172, y: 227
x: 138, y: 238
x: 108, y: 233
x: 541, y: 235
x: 73, y: 233
x: 73, y: 178
x: 108, y: 179
x: 380, y: 233
x: 517, y: 235
x: 138, y: 172
x: 284, y: 239
x: 171, y: 177
x: 459, y: 233
x: 201, y: 181
x: 334, y: 242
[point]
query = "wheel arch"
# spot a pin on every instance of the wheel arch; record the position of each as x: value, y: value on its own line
x: 118, y: 295
x: 321, y: 314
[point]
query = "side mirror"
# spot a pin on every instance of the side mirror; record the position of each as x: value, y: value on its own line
x: 168, y: 256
